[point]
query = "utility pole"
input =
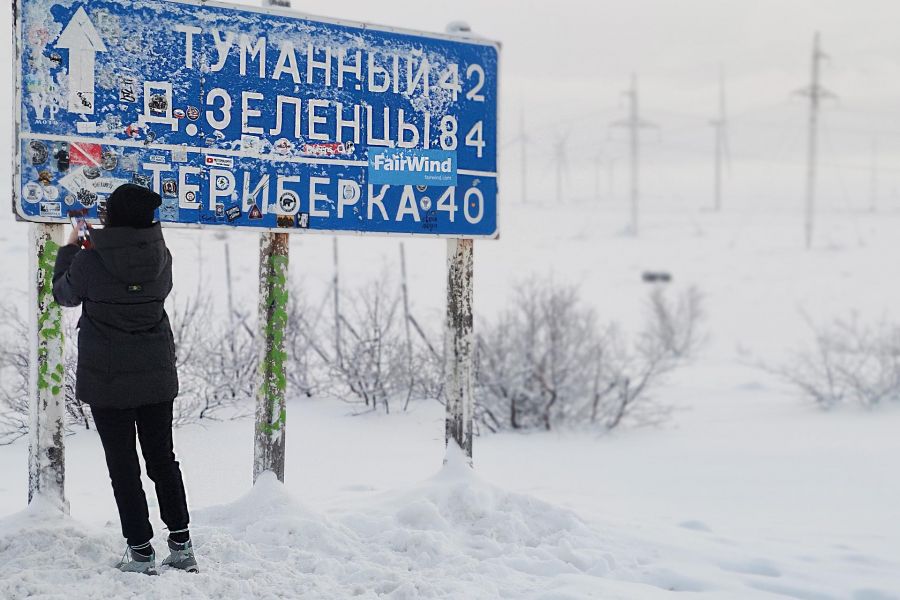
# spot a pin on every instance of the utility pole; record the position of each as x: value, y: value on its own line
x: 611, y: 177
x: 523, y: 139
x: 720, y: 126
x: 561, y: 161
x: 816, y: 94
x: 873, y: 189
x: 634, y: 123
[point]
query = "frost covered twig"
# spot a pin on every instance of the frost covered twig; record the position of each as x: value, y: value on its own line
x: 547, y: 362
x: 847, y: 363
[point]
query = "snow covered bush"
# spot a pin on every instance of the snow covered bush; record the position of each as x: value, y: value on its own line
x: 365, y: 356
x: 547, y: 361
x: 14, y: 358
x: 216, y: 360
x: 369, y: 365
x: 848, y: 363
x: 13, y: 376
x: 305, y: 371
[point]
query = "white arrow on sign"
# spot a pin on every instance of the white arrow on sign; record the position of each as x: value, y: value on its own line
x: 82, y: 41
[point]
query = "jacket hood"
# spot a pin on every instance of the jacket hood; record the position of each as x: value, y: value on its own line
x: 132, y: 255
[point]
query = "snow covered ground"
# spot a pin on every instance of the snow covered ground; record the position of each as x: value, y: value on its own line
x: 746, y: 492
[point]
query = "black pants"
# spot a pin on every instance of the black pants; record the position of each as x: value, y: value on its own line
x: 154, y: 429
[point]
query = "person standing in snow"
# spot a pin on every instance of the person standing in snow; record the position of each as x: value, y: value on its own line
x: 126, y: 366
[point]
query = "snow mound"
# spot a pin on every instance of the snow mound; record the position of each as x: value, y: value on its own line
x: 454, y: 536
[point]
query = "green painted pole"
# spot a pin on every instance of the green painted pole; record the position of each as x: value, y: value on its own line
x: 46, y: 380
x: 271, y: 414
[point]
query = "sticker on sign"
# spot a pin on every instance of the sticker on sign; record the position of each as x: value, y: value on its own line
x: 222, y: 162
x: 399, y: 166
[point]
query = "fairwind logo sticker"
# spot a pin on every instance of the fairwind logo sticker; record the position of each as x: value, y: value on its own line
x: 402, y: 166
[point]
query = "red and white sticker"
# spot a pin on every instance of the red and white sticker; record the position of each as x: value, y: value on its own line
x: 85, y: 154
x: 219, y: 161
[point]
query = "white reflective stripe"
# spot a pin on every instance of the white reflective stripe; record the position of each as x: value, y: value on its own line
x: 242, y: 153
x: 476, y: 173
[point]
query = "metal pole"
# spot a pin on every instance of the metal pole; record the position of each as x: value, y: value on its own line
x: 230, y: 284
x: 337, y: 306
x: 46, y: 380
x: 460, y: 346
x: 409, y: 349
x: 271, y: 414
x: 459, y: 334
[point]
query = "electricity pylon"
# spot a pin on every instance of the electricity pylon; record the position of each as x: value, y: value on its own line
x: 634, y: 123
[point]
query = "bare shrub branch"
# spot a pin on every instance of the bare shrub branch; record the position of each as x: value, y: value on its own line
x: 547, y: 362
x: 847, y: 363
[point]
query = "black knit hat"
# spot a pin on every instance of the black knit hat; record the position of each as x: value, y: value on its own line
x: 131, y: 205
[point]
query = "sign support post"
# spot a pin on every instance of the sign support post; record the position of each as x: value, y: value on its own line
x: 268, y: 453
x: 46, y: 379
x: 460, y: 345
x: 459, y: 335
x: 274, y: 250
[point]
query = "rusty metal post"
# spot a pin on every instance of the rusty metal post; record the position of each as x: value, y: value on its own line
x: 46, y: 377
x: 271, y: 414
x: 459, y: 342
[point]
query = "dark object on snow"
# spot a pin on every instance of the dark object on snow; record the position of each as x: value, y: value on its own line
x: 126, y: 351
x: 154, y: 429
x: 657, y: 277
x: 131, y: 205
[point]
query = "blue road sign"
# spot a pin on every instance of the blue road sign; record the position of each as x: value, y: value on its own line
x: 254, y: 117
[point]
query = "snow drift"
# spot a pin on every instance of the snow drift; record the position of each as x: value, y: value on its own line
x: 453, y: 536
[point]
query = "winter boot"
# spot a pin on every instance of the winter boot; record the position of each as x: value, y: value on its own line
x: 135, y: 561
x: 181, y: 556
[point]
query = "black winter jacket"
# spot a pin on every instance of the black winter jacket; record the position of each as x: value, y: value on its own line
x: 126, y: 352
